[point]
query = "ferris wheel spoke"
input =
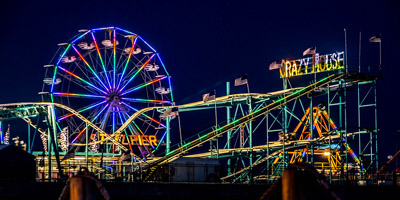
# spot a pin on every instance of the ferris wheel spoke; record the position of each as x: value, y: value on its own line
x: 97, y: 115
x: 147, y: 44
x: 83, y: 80
x: 127, y: 61
x: 127, y: 138
x: 148, y: 117
x: 81, y: 36
x: 63, y: 94
x: 114, y: 58
x: 140, y: 144
x: 101, y: 60
x: 84, y: 71
x: 133, y: 131
x: 91, y: 106
x: 137, y: 72
x: 78, y: 83
x: 141, y: 132
x: 87, y: 73
x: 113, y: 120
x: 147, y: 122
x: 58, y: 62
x: 144, y: 85
x: 90, y: 67
x: 122, y: 57
x: 145, y: 100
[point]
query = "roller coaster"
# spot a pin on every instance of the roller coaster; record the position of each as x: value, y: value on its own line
x: 110, y: 108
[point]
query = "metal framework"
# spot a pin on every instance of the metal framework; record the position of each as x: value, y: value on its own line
x: 264, y: 132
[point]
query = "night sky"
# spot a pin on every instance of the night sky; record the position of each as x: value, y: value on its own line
x: 204, y: 44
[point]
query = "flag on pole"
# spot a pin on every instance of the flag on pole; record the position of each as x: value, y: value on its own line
x: 310, y: 51
x: 241, y: 81
x: 376, y: 38
x: 172, y: 112
x: 275, y: 65
x: 7, y: 136
x: 208, y: 97
x: 125, y: 156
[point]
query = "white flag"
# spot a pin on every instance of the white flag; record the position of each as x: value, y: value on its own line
x: 207, y: 97
x: 310, y: 51
x: 376, y: 38
x: 7, y: 136
x: 275, y: 65
x: 241, y: 81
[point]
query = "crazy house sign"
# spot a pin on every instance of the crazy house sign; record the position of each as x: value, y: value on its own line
x: 315, y: 64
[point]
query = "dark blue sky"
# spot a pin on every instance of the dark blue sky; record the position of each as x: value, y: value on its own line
x: 206, y: 43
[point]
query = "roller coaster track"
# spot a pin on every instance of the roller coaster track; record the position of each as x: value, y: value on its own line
x: 32, y: 109
x: 89, y: 123
x: 29, y: 121
x: 290, y: 145
x: 174, y: 154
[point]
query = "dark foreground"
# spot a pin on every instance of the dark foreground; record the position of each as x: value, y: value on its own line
x: 24, y: 190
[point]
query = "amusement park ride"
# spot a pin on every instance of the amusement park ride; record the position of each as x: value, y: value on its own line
x: 107, y: 104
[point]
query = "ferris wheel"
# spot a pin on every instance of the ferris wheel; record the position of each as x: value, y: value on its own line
x: 106, y: 75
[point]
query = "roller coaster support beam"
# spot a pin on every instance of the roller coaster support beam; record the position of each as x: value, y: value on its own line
x: 52, y: 139
x: 168, y: 136
x: 311, y: 129
x: 228, y: 120
x: 49, y: 145
x: 250, y: 129
x: 279, y: 103
x: 29, y: 139
x: 367, y: 101
x: 284, y: 124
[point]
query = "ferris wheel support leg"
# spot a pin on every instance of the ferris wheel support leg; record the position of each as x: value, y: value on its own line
x: 228, y: 120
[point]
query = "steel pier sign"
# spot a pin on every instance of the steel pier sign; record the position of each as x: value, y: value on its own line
x: 315, y: 64
x: 143, y: 140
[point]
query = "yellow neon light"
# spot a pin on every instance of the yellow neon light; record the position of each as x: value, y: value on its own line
x: 144, y: 140
x: 319, y: 63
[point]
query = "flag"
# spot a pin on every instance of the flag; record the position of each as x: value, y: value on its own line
x: 208, y: 97
x: 7, y: 136
x: 241, y: 81
x: 310, y: 51
x: 376, y: 38
x: 173, y: 112
x: 275, y: 65
x: 125, y: 156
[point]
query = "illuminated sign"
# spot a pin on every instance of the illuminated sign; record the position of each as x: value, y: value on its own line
x: 144, y: 140
x: 317, y: 63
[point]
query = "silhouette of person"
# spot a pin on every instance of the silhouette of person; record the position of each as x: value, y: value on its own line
x: 84, y: 186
